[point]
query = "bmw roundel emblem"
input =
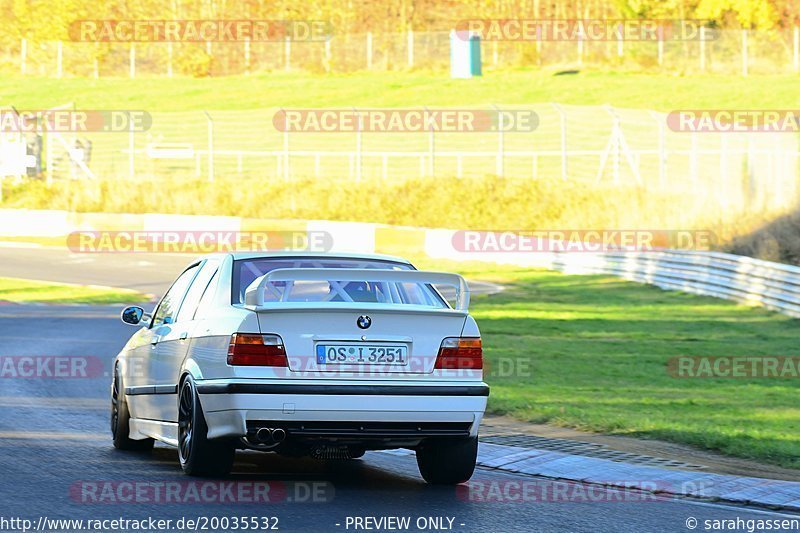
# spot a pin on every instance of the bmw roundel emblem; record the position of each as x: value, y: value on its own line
x: 363, y: 321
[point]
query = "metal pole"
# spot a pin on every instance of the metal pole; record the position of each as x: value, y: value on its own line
x: 660, y: 45
x: 210, y: 146
x: 286, y: 150
x: 662, y: 149
x: 369, y: 50
x: 247, y: 56
x: 616, y: 132
x: 358, y: 161
x: 169, y: 59
x: 693, y: 162
x: 410, y: 48
x: 24, y: 56
x: 131, y: 148
x: 500, y: 159
x: 59, y: 59
x: 563, y: 120
x: 431, y: 152
x: 702, y: 48
x: 744, y: 53
x: 328, y: 55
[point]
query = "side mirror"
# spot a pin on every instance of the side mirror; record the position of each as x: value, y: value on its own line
x: 134, y: 315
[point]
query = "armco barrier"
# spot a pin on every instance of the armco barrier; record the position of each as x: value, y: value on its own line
x: 775, y: 286
x: 747, y: 280
x: 743, y: 279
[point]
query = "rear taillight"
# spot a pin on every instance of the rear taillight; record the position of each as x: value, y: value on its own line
x: 460, y: 353
x: 248, y: 349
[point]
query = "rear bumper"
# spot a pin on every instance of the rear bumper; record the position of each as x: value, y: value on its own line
x: 230, y: 405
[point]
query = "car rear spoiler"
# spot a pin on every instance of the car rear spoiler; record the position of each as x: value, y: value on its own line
x: 254, y: 295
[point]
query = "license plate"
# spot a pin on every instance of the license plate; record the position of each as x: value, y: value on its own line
x: 361, y: 354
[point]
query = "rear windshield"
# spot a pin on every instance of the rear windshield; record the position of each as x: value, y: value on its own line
x: 246, y: 271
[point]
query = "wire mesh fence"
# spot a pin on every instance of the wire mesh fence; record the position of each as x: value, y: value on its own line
x: 730, y: 51
x: 588, y: 144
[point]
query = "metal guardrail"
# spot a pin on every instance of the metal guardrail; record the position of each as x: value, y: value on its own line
x: 775, y: 286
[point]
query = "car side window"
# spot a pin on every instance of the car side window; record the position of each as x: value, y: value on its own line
x: 165, y: 314
x: 208, y: 297
x: 189, y: 305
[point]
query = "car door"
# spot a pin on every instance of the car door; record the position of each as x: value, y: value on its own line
x: 175, y: 340
x: 166, y: 347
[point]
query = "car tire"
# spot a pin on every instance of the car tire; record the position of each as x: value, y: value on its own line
x: 199, y: 455
x: 121, y: 417
x: 447, y: 461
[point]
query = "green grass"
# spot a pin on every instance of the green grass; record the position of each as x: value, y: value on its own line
x: 445, y: 202
x: 598, y: 349
x: 662, y: 92
x: 27, y: 291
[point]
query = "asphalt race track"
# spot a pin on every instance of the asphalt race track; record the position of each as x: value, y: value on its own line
x: 56, y: 449
x: 57, y: 460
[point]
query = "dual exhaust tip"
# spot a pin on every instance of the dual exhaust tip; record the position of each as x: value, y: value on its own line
x: 270, y: 435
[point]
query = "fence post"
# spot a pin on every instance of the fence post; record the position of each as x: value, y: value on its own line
x: 286, y: 149
x: 660, y: 45
x: 169, y: 59
x: 431, y: 152
x: 744, y: 53
x: 59, y: 59
x: 501, y: 149
x: 210, y: 146
x: 702, y: 48
x: 615, y: 134
x: 693, y: 162
x: 132, y: 61
x: 563, y: 120
x: 328, y: 55
x: 247, y: 56
x: 24, y: 56
x: 723, y: 170
x: 131, y: 154
x: 796, y: 49
x: 287, y: 54
x: 369, y: 50
x: 359, y: 140
x: 662, y: 150
x: 410, y: 48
